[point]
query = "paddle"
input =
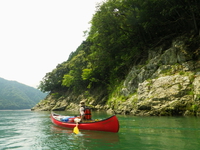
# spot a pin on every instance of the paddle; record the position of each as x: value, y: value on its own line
x: 76, y: 130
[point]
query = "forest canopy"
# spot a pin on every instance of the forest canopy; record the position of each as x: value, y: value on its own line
x: 121, y: 33
x: 14, y: 95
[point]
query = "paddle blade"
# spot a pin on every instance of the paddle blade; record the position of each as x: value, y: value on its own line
x: 76, y: 130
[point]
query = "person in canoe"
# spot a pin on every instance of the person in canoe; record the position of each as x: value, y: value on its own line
x: 85, y: 112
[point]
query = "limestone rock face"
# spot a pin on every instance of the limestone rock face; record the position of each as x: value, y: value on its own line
x: 164, y: 88
x: 168, y: 95
x: 168, y: 84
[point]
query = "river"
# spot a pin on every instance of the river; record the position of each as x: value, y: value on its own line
x: 27, y: 130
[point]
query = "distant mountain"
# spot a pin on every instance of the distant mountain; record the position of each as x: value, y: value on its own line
x: 14, y: 95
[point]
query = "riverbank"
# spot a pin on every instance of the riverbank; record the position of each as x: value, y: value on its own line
x: 168, y: 84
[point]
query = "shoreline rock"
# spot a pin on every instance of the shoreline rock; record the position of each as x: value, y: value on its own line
x: 167, y: 85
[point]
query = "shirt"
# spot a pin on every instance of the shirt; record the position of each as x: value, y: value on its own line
x: 82, y: 111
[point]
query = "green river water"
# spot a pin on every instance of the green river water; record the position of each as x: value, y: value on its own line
x: 27, y: 130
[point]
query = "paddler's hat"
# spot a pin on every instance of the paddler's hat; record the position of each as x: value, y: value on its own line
x: 82, y: 102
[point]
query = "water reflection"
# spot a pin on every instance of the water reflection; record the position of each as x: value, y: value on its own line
x: 161, y: 132
x: 107, y: 137
x: 34, y: 130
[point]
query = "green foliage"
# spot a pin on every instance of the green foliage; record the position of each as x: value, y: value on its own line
x: 53, y: 80
x: 180, y: 86
x: 86, y: 74
x: 194, y: 108
x: 56, y: 95
x: 68, y: 80
x: 190, y: 93
x: 181, y: 73
x: 191, y: 77
x: 120, y: 36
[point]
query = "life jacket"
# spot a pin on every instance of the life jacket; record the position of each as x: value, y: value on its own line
x: 87, y: 112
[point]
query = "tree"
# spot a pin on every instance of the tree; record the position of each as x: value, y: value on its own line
x: 67, y: 80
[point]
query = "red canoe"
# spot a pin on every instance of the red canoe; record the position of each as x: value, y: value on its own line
x: 110, y: 124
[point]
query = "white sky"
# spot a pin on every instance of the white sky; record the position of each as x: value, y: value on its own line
x: 37, y: 35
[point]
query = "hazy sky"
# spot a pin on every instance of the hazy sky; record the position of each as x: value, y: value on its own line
x: 37, y: 35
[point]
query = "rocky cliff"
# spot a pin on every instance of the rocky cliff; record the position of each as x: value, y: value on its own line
x: 167, y: 84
